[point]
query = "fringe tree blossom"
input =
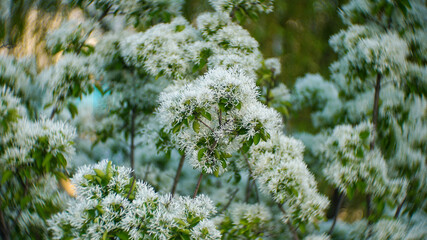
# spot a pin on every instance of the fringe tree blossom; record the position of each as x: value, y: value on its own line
x: 209, y: 23
x: 19, y: 75
x: 274, y: 65
x: 312, y: 90
x: 232, y: 46
x: 10, y: 109
x: 351, y: 163
x: 256, y: 6
x: 69, y: 37
x: 109, y: 203
x: 69, y: 77
x: 143, y: 13
x: 245, y: 221
x: 31, y: 153
x: 368, y: 53
x: 46, y: 199
x: 26, y: 138
x: 389, y: 229
x: 164, y: 49
x: 318, y: 237
x: 279, y: 168
x: 216, y: 115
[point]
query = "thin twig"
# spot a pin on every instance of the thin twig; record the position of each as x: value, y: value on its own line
x: 376, y: 109
x: 132, y: 140
x: 233, y: 195
x: 198, y: 185
x: 337, y: 210
x: 399, y: 208
x: 198, y: 119
x: 52, y: 114
x: 146, y: 172
x: 293, y: 230
x: 251, y: 177
x: 4, y: 230
x: 178, y: 174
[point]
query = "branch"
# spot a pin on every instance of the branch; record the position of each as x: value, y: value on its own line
x: 178, y: 174
x: 376, y: 109
x: 233, y: 195
x: 7, y: 45
x: 399, y: 208
x: 198, y: 185
x: 4, y: 230
x: 251, y: 177
x: 293, y: 230
x: 337, y: 210
x: 198, y: 119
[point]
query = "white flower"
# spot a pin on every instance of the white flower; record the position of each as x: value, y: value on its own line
x: 265, y: 6
x: 213, y: 115
x: 279, y: 168
x: 312, y: 90
x: 274, y: 65
x: 132, y: 207
x: 164, y: 49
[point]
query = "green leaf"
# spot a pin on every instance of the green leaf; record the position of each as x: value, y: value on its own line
x: 73, y: 109
x: 99, y: 172
x: 88, y: 177
x: 207, y: 115
x: 257, y: 138
x: 47, y: 105
x: 177, y: 127
x: 200, y: 154
x: 223, y: 164
x: 104, y: 236
x: 61, y: 159
x: 364, y: 134
x: 60, y: 175
x: 360, y: 153
x: 46, y: 160
x: 179, y: 28
x: 196, y: 126
x: 217, y: 154
x: 302, y: 227
x: 6, y: 176
x: 245, y: 148
x: 25, y: 200
x: 122, y: 235
x: 216, y: 172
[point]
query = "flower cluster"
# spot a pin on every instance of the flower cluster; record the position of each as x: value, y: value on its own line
x: 352, y: 165
x: 28, y: 142
x: 10, y: 109
x: 229, y: 6
x: 69, y: 77
x: 216, y: 115
x: 164, y: 49
x: 20, y: 76
x: 110, y: 203
x: 69, y: 37
x: 363, y: 51
x: 318, y: 237
x: 142, y: 13
x: 244, y: 221
x: 279, y: 168
x: 313, y: 91
x: 273, y: 64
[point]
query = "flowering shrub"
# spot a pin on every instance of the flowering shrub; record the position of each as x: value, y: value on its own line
x: 178, y: 98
